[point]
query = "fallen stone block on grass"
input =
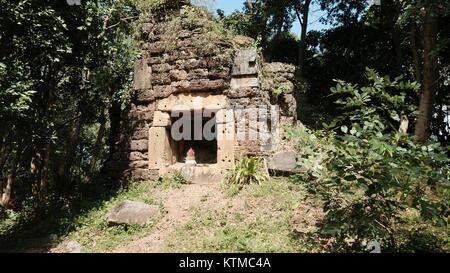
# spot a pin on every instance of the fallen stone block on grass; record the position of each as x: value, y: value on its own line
x: 133, y: 213
x: 284, y: 162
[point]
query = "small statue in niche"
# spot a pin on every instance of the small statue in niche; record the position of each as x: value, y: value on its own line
x: 189, y: 165
x: 190, y: 157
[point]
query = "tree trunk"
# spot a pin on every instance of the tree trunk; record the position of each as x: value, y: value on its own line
x: 4, y: 155
x: 5, y: 145
x: 65, y: 166
x: 41, y: 145
x: 304, y: 31
x: 115, y: 115
x: 6, y: 196
x: 98, y: 144
x: 39, y: 170
x: 36, y: 161
x: 249, y: 5
x: 398, y: 48
x: 415, y: 52
x: 391, y: 13
x: 430, y: 64
x: 43, y: 183
x: 1, y: 193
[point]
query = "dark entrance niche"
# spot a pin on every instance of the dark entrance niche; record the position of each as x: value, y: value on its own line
x: 205, y: 150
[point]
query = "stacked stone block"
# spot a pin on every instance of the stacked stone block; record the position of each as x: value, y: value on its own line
x: 182, y: 58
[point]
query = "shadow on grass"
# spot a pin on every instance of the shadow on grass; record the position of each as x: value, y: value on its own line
x: 32, y: 229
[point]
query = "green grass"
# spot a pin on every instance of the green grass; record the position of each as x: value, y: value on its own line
x: 175, y: 181
x: 91, y: 230
x: 10, y: 220
x: 260, y: 222
x: 86, y: 224
x: 258, y: 218
x: 416, y: 235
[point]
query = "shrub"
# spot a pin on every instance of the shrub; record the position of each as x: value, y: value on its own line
x: 178, y: 179
x: 248, y: 171
x: 149, y: 6
x: 174, y: 181
x: 369, y: 175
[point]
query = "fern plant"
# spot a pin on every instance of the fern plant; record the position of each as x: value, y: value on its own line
x: 248, y: 171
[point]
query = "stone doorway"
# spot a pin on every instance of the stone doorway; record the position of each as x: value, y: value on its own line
x: 165, y: 151
x: 204, y: 146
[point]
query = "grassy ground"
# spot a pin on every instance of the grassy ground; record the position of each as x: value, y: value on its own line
x: 202, y: 218
x: 91, y: 230
x: 257, y: 219
x: 87, y: 225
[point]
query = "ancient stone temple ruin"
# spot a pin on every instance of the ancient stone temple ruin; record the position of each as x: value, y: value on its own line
x: 191, y: 78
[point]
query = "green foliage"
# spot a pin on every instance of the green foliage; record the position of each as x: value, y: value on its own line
x: 269, y: 23
x: 371, y: 181
x: 12, y: 220
x: 147, y: 7
x: 375, y: 108
x: 174, y: 181
x: 15, y: 99
x: 89, y: 226
x: 290, y: 44
x: 277, y: 91
x: 193, y: 17
x: 178, y: 178
x: 201, y: 16
x: 62, y: 69
x: 256, y: 43
x: 237, y: 22
x: 343, y: 12
x: 248, y: 171
x: 369, y: 175
x: 231, y: 190
x: 85, y: 223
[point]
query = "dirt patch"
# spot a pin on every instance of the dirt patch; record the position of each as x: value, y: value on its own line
x: 307, y: 219
x: 179, y: 204
x: 203, y: 218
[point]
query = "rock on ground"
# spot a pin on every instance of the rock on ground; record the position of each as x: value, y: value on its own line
x: 284, y: 162
x: 73, y: 247
x: 133, y: 213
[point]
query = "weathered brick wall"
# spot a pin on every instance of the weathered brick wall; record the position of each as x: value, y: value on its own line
x: 281, y: 75
x: 184, y: 53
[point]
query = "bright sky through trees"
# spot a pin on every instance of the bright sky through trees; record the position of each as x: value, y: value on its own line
x: 230, y: 5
